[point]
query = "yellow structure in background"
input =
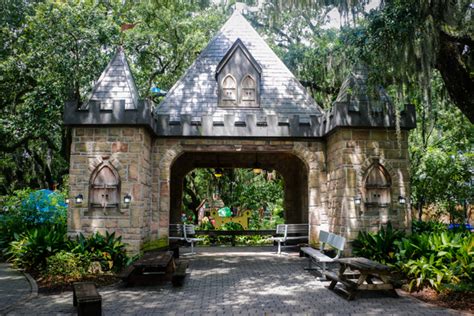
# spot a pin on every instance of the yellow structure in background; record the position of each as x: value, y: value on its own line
x: 243, y: 219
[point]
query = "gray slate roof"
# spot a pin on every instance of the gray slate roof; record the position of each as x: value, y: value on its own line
x: 115, y: 85
x: 195, y: 94
x: 355, y: 92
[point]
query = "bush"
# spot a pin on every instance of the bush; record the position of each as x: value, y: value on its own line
x: 434, y: 259
x: 378, y: 246
x: 108, y: 250
x: 419, y: 227
x: 66, y: 266
x: 30, y: 250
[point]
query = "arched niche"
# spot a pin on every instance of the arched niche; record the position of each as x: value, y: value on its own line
x: 229, y: 90
x: 104, y: 188
x: 377, y: 186
x: 249, y: 90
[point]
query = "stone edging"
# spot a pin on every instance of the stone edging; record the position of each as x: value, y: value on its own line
x: 33, y: 286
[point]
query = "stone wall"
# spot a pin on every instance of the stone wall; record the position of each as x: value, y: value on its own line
x: 350, y: 153
x: 128, y: 151
x: 322, y: 178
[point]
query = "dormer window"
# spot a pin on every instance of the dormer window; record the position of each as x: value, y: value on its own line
x: 238, y: 76
x: 229, y: 90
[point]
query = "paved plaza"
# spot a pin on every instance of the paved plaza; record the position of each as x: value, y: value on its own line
x: 232, y: 281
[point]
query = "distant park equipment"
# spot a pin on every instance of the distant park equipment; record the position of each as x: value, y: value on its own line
x: 242, y: 219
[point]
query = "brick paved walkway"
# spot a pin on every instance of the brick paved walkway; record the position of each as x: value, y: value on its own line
x: 13, y: 286
x: 255, y: 282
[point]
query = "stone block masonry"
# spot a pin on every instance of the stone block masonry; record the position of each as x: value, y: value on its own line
x: 128, y: 150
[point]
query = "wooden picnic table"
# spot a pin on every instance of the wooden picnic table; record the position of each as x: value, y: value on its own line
x: 358, y: 274
x: 152, y: 268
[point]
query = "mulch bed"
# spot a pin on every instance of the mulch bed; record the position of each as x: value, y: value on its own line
x: 48, y: 286
x: 462, y: 301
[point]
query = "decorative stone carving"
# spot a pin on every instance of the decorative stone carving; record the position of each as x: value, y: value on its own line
x: 104, y: 192
x: 377, y: 186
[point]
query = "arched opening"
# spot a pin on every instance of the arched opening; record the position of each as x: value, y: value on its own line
x: 291, y: 168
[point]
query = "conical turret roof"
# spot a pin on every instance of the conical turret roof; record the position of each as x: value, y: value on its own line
x: 115, y: 85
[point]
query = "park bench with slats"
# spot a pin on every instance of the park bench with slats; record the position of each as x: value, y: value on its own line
x: 287, y: 232
x: 318, y: 255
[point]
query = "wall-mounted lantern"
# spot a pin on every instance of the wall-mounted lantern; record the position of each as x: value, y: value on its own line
x: 402, y: 200
x: 357, y: 200
x: 67, y: 201
x: 127, y: 199
x: 79, y: 198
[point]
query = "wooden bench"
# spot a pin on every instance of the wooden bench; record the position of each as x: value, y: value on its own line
x: 287, y: 232
x: 184, y: 232
x: 153, y: 268
x: 335, y: 241
x: 87, y: 299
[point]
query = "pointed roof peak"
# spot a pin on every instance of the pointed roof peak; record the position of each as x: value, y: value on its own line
x: 196, y: 93
x: 115, y: 85
x: 238, y: 44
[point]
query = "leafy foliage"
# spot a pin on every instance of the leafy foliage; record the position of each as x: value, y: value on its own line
x: 32, y: 248
x: 419, y: 227
x: 108, y: 250
x: 435, y: 259
x: 65, y: 265
x: 239, y: 188
x: 377, y: 246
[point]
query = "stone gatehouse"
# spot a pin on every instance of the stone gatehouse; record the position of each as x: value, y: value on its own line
x: 345, y: 169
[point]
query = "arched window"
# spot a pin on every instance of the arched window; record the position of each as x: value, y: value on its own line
x: 229, y: 89
x: 377, y: 186
x: 105, y: 187
x: 249, y: 88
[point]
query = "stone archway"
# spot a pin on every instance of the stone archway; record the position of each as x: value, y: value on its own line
x: 292, y: 169
x: 307, y: 179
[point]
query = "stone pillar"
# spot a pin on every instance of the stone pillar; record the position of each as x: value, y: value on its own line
x: 350, y: 153
x: 127, y: 150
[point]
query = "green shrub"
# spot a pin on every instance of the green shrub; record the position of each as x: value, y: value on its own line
x: 419, y: 227
x: 66, y: 266
x: 255, y: 240
x: 378, y: 246
x: 435, y: 259
x: 232, y: 226
x: 30, y: 250
x: 108, y: 250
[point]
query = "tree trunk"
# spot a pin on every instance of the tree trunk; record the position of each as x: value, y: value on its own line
x: 456, y: 77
